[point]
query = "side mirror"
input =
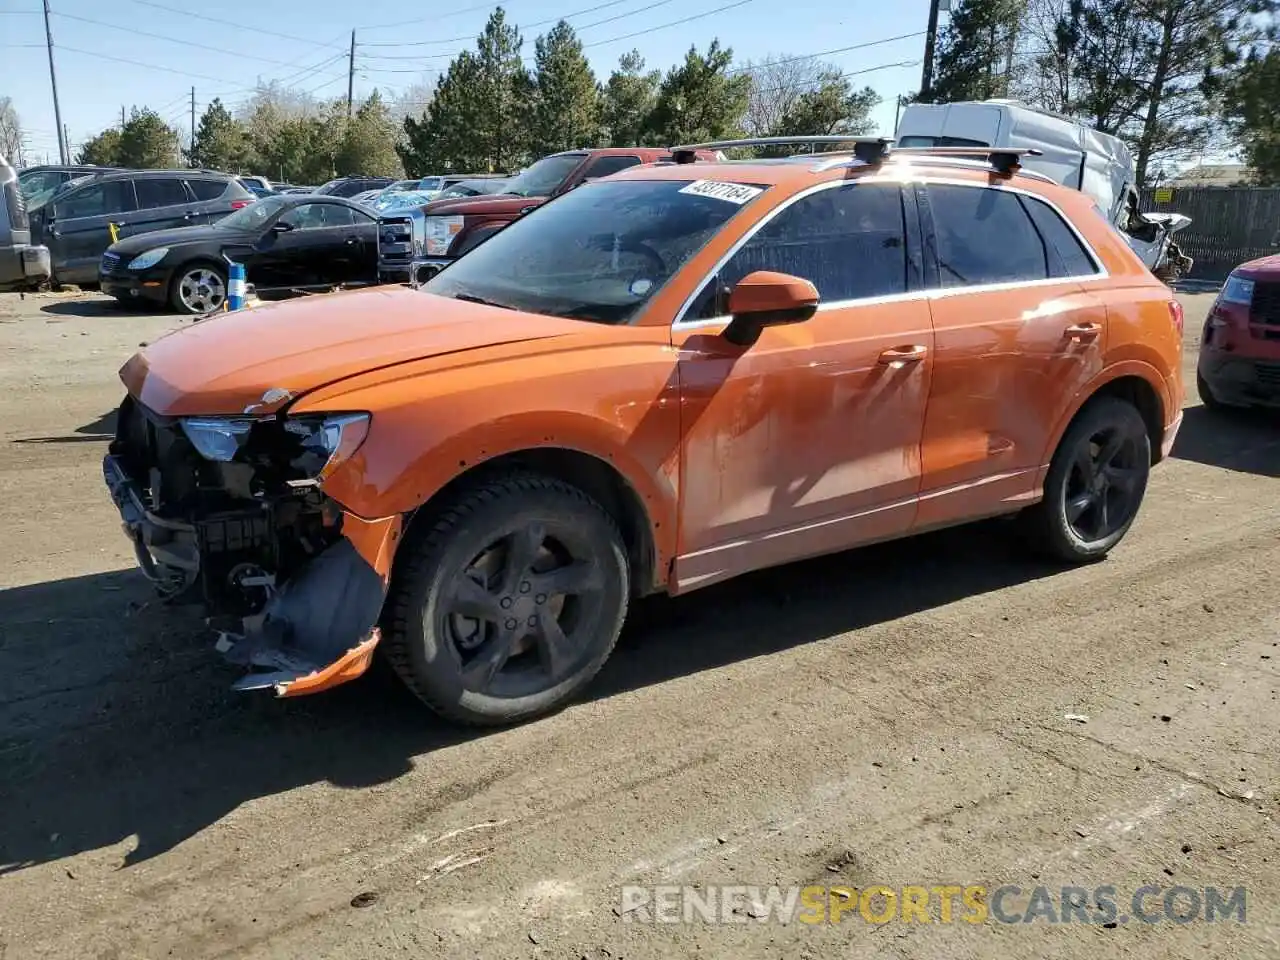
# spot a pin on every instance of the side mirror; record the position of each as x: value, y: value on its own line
x: 767, y: 299
x: 281, y: 226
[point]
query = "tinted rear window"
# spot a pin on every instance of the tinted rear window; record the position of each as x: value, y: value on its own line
x: 984, y: 236
x: 159, y: 192
x: 207, y: 189
x: 1067, y: 255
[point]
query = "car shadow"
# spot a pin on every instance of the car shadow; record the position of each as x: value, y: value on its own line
x: 98, y: 307
x: 99, y: 430
x: 117, y: 720
x: 1247, y: 441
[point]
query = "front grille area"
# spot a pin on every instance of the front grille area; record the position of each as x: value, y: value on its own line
x: 1265, y: 310
x: 396, y: 237
x: 1268, y: 374
x: 110, y: 262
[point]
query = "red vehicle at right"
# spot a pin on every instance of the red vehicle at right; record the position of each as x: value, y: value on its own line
x: 1239, y: 364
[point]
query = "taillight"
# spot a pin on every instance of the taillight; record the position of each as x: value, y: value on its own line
x: 240, y: 204
x: 1177, y: 314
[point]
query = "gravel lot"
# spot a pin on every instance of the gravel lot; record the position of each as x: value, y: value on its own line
x: 890, y: 716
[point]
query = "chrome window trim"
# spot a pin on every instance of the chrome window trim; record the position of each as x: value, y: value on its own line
x: 937, y: 293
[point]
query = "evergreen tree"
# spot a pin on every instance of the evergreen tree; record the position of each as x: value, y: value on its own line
x: 699, y: 100
x: 221, y: 142
x: 146, y: 141
x: 369, y: 142
x: 975, y: 52
x: 628, y: 99
x: 102, y: 150
x: 567, y: 111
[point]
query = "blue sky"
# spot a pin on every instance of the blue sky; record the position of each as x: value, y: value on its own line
x: 305, y: 45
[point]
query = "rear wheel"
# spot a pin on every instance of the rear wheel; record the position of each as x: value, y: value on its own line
x: 510, y: 602
x: 198, y: 288
x: 1095, y: 485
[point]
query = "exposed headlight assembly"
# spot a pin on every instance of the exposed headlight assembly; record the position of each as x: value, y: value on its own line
x: 149, y: 259
x: 1237, y: 289
x: 327, y: 440
x: 320, y: 442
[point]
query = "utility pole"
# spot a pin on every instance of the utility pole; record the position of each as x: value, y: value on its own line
x: 351, y: 73
x: 930, y: 40
x: 191, y: 156
x: 53, y: 82
x: 66, y: 138
x: 122, y: 116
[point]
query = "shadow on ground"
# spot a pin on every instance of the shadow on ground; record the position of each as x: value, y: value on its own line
x: 117, y: 721
x: 101, y: 429
x: 95, y: 306
x: 1247, y: 441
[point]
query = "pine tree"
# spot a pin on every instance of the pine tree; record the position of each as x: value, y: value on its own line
x: 628, y: 99
x: 445, y: 139
x: 699, y: 100
x: 368, y: 142
x: 975, y: 52
x: 102, y: 150
x: 567, y: 110
x: 505, y: 92
x: 221, y: 142
x: 146, y: 141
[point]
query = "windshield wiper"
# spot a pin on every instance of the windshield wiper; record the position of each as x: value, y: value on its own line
x: 469, y: 298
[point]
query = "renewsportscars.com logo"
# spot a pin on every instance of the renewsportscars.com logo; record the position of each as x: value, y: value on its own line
x: 1103, y: 905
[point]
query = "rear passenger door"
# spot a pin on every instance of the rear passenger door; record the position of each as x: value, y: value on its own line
x: 1017, y: 335
x: 207, y: 192
x: 162, y: 203
x: 80, y: 231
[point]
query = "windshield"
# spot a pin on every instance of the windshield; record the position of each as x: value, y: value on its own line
x: 599, y: 252
x: 254, y: 216
x: 330, y: 186
x: 541, y: 179
x: 919, y: 141
x: 430, y: 183
x: 39, y: 185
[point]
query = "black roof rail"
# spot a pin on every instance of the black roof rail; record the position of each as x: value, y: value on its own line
x: 1006, y: 161
x: 867, y: 149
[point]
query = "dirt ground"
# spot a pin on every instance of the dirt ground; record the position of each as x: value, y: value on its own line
x: 894, y: 716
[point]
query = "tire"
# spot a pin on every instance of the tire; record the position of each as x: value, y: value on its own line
x: 210, y: 288
x: 460, y: 562
x: 1071, y: 523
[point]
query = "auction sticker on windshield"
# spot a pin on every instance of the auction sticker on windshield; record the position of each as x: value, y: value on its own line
x: 738, y: 193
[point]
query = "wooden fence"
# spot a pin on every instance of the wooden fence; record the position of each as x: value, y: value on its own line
x: 1229, y: 225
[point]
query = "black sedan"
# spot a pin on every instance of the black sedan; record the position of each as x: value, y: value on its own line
x: 286, y: 243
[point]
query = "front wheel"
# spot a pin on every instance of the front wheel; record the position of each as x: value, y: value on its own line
x: 1095, y: 485
x: 198, y: 288
x: 509, y: 603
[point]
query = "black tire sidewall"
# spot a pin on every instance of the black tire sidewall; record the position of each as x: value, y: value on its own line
x: 1099, y: 414
x: 435, y: 671
x: 175, y: 298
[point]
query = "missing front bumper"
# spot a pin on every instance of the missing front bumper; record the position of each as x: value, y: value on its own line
x: 317, y: 628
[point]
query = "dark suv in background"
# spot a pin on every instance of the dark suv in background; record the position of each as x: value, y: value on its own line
x: 350, y: 186
x: 76, y: 224
x: 39, y: 184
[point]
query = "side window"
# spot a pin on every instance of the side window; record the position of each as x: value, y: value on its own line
x: 603, y: 166
x: 309, y: 216
x: 336, y: 215
x: 159, y: 192
x: 97, y: 200
x: 985, y: 236
x: 1067, y: 255
x: 849, y: 241
x: 207, y: 189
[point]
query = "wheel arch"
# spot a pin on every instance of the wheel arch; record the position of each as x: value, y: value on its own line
x: 1135, y: 382
x: 594, y: 476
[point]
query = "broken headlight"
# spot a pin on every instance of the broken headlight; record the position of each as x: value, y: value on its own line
x: 216, y: 438
x: 326, y: 440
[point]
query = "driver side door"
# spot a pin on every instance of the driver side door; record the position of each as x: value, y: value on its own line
x: 807, y: 442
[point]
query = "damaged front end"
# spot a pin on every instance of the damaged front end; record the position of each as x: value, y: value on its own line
x: 228, y: 512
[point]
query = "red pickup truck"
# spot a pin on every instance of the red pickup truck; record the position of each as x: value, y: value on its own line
x: 416, y: 244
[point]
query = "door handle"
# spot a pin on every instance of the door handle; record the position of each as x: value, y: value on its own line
x: 188, y: 215
x: 900, y: 355
x: 352, y: 241
x: 1083, y: 332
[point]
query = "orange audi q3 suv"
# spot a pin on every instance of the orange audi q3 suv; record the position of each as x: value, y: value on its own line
x: 659, y: 380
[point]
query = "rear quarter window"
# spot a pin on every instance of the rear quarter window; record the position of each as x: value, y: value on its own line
x: 984, y: 236
x: 1067, y: 255
x: 207, y: 189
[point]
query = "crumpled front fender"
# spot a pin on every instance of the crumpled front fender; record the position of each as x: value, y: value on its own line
x: 319, y: 629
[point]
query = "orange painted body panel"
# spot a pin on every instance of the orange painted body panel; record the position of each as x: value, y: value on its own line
x: 864, y: 422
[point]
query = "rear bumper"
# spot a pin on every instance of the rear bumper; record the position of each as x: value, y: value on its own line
x: 24, y: 266
x: 318, y: 627
x: 1239, y: 380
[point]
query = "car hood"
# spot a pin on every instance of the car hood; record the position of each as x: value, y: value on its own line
x: 1264, y: 268
x: 226, y: 364
x: 487, y: 205
x: 204, y: 233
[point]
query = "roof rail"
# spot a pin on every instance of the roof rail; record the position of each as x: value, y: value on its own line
x: 868, y: 149
x: 1005, y: 160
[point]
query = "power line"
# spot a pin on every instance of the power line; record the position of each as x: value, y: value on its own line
x: 223, y: 23
x: 185, y: 42
x: 406, y: 23
x: 150, y: 66
x: 471, y: 36
x: 826, y: 53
